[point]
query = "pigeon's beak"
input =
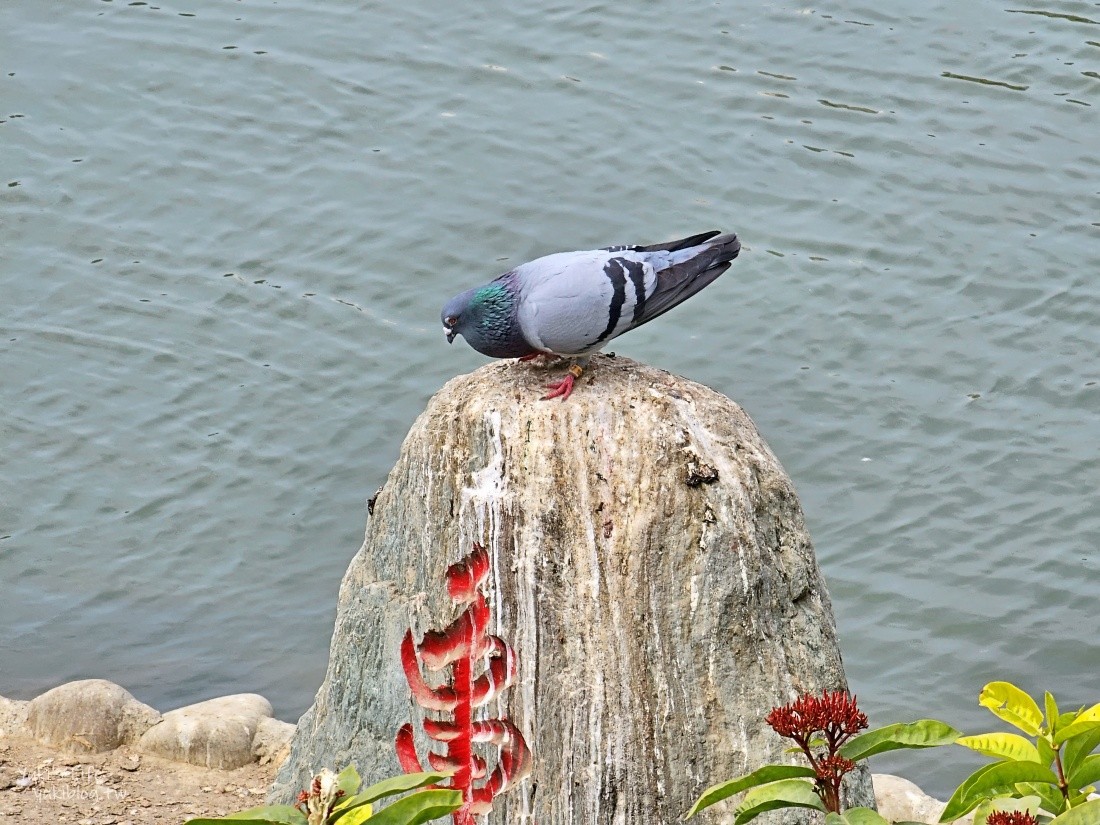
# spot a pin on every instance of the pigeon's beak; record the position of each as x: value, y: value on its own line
x: 450, y: 334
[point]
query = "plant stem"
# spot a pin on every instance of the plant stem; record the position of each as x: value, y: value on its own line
x: 1063, y: 785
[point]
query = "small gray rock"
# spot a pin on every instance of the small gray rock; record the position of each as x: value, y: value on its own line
x: 91, y: 715
x: 899, y: 799
x: 272, y: 741
x: 217, y: 733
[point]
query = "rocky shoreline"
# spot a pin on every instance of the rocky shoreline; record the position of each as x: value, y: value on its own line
x: 95, y: 716
x: 88, y: 752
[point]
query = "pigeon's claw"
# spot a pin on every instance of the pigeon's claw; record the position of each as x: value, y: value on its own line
x: 564, y: 388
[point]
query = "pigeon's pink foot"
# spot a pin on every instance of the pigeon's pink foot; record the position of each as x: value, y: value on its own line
x: 531, y: 357
x: 564, y: 388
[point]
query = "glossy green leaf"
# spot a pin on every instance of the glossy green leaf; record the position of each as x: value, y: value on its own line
x: 273, y: 814
x: 1076, y: 748
x: 422, y: 806
x: 356, y: 815
x: 348, y: 780
x: 1084, y: 814
x: 855, y: 816
x: 346, y: 803
x: 925, y: 733
x: 1050, y: 796
x: 1076, y: 799
x: 1051, y: 710
x: 761, y: 776
x: 993, y: 780
x: 1086, y: 774
x: 1085, y: 721
x: 1046, y: 752
x: 403, y: 782
x: 1010, y: 703
x: 1076, y: 729
x: 1002, y: 746
x: 786, y: 793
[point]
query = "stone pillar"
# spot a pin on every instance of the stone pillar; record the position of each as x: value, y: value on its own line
x: 650, y: 565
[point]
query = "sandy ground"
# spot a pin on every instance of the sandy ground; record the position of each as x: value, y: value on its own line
x: 41, y: 786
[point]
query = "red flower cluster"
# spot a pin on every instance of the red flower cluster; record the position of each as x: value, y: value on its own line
x: 831, y: 769
x: 829, y: 720
x: 1010, y: 818
x: 835, y: 715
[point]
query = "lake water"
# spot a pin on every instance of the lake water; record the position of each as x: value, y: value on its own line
x: 227, y: 228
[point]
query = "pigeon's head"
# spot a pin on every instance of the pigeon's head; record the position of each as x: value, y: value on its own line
x: 485, y: 317
x: 457, y: 315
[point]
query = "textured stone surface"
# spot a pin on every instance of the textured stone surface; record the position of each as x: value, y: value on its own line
x: 13, y: 715
x: 272, y: 741
x: 900, y: 800
x: 90, y: 715
x: 217, y: 733
x: 650, y: 565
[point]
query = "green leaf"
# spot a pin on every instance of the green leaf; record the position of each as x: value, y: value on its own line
x: 273, y: 814
x: 1052, y: 711
x: 786, y: 793
x: 761, y: 776
x: 346, y: 803
x: 348, y: 780
x: 1046, y: 752
x: 1049, y: 795
x: 1085, y: 721
x: 1076, y: 799
x: 1076, y: 748
x: 925, y: 733
x: 1086, y: 774
x: 352, y: 816
x: 1010, y: 703
x: 418, y: 807
x: 1086, y: 814
x: 992, y: 780
x: 1002, y: 746
x: 1076, y: 729
x: 855, y: 816
x: 403, y: 782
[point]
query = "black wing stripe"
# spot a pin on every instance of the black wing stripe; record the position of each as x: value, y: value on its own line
x: 636, y: 270
x: 613, y: 269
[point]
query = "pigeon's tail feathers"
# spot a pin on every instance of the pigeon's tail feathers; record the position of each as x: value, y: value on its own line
x: 690, y: 269
x: 683, y: 243
x: 669, y: 246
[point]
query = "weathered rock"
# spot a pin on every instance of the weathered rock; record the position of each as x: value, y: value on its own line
x: 217, y: 733
x: 901, y: 800
x: 13, y: 715
x: 272, y: 741
x: 90, y: 715
x: 650, y: 565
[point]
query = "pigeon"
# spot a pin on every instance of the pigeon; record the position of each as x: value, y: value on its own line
x: 571, y: 304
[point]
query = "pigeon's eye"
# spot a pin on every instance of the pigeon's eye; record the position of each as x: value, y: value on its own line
x: 450, y: 320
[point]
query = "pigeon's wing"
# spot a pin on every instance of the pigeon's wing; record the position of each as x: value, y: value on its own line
x: 683, y: 268
x: 572, y: 303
